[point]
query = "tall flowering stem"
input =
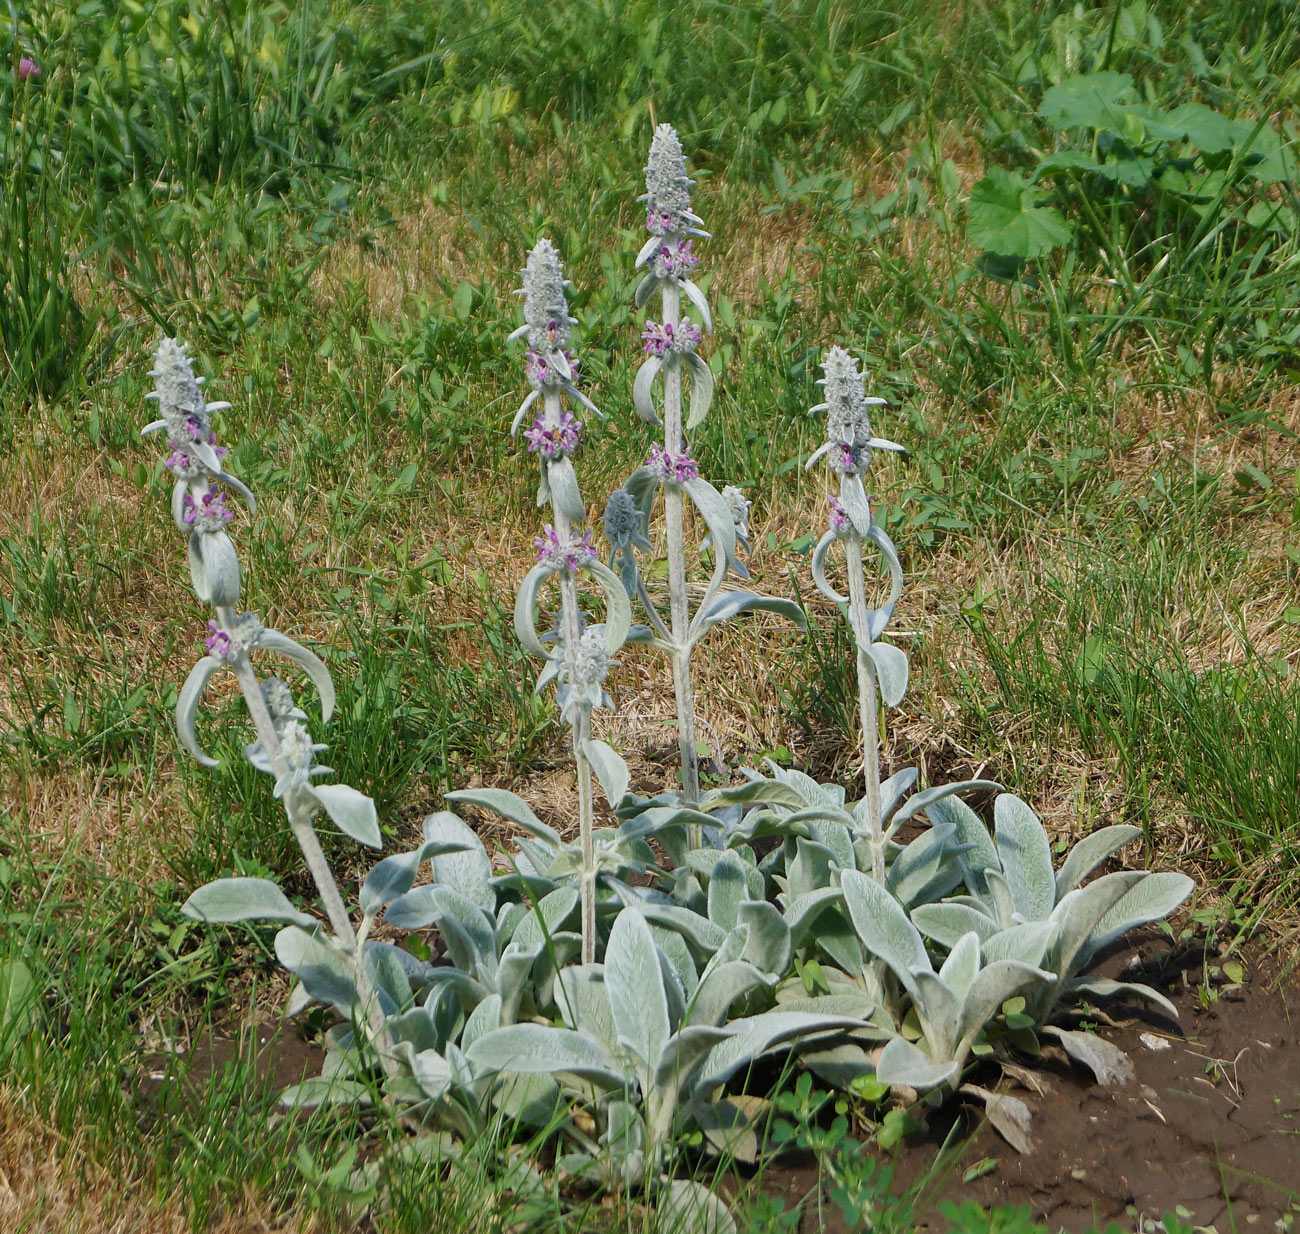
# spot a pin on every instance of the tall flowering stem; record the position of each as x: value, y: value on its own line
x: 881, y: 667
x: 284, y: 748
x: 579, y: 659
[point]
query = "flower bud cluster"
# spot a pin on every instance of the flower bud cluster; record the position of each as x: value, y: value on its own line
x: 839, y: 519
x: 564, y: 554
x: 739, y: 505
x: 210, y: 513
x: 241, y: 636
x: 679, y: 340
x: 186, y: 415
x: 591, y: 661
x: 546, y: 318
x: 668, y: 188
x: 847, y: 415
x: 554, y: 438
x: 672, y: 468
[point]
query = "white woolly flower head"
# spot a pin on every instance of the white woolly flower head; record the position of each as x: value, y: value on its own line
x: 546, y: 311
x: 180, y: 398
x: 591, y: 663
x: 739, y: 505
x: 668, y: 188
x: 847, y: 415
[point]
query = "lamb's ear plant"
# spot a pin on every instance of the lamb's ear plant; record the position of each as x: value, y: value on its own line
x: 340, y: 964
x: 671, y: 345
x: 578, y: 660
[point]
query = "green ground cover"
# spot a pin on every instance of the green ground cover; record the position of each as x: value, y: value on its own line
x: 1079, y: 301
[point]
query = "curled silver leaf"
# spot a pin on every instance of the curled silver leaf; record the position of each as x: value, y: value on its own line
x: 241, y: 488
x: 574, y: 392
x: 529, y: 400
x: 563, y: 482
x: 187, y: 706
x: 647, y: 251
x: 642, y: 398
x: 717, y: 514
x: 199, y: 572
x: 701, y: 389
x: 890, y: 554
x: 645, y: 289
x: 526, y: 605
x: 309, y: 662
x: 153, y: 426
x: 220, y: 565
x: 819, y: 569
x: 696, y: 297
x: 618, y: 610
x: 824, y: 448
x: 856, y: 505
x: 179, y: 491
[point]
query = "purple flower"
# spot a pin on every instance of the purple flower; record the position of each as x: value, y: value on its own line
x: 540, y: 372
x: 27, y: 67
x: 554, y: 439
x: 179, y: 462
x: 674, y: 260
x: 850, y: 460
x: 673, y: 468
x: 839, y: 520
x: 680, y: 339
x: 569, y: 554
x: 209, y: 513
x: 218, y: 641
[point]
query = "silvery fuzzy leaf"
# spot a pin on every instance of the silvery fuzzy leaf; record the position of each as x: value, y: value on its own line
x: 395, y: 876
x: 1090, y: 852
x: 180, y: 490
x: 1026, y: 856
x: 206, y: 455
x: 311, y: 664
x: 728, y: 886
x: 673, y: 948
x: 994, y: 984
x: 1100, y: 987
x: 1003, y: 902
x: 879, y: 443
x: 482, y: 1020
x: 1152, y: 899
x: 198, y: 571
x: 318, y: 1091
x: 416, y: 1028
x: 731, y: 603
x: 561, y: 363
x: 648, y: 250
x: 574, y: 392
x: 643, y: 390
x: 537, y: 1049
x: 962, y: 965
x: 699, y: 931
x: 320, y: 968
x: 1106, y: 1061
x: 810, y: 869
x: 618, y: 611
x: 717, y: 514
x: 927, y: 868
x: 645, y: 289
x: 938, y: 1009
x: 839, y: 1065
x: 658, y: 819
x: 583, y: 1002
x: 187, y: 705
x: 238, y: 486
x: 610, y: 770
x: 542, y: 922
x: 635, y: 984
x: 753, y: 1036
x: 389, y: 974
x: 883, y: 927
x: 244, y: 899
x: 300, y: 998
x: 946, y: 923
x: 891, y: 669
x: 1009, y: 1116
x: 565, y: 497
x: 688, y: 1207
x: 768, y: 946
x: 643, y: 484
x: 1078, y: 915
x: 220, y: 570
x: 835, y: 836
x: 154, y: 426
x: 822, y: 450
x: 465, y: 929
x: 350, y: 811
x: 819, y: 569
x: 720, y: 986
x: 432, y: 1072
x: 941, y: 806
x: 761, y: 791
x: 730, y: 1126
x: 853, y: 497
x: 696, y: 297
x: 928, y: 798
x: 893, y: 790
x: 901, y: 1063
x: 802, y: 912
x: 529, y: 400
x: 701, y: 390
x: 1026, y: 943
x: 466, y: 866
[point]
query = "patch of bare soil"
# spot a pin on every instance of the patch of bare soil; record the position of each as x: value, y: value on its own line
x: 1211, y: 1121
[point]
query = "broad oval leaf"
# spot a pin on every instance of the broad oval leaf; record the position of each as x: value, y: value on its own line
x: 187, y: 707
x: 701, y: 390
x: 565, y: 497
x: 322, y: 970
x: 244, y: 899
x: 1153, y: 899
x: 1026, y: 856
x: 883, y: 927
x: 352, y: 812
x: 643, y: 390
x: 946, y: 923
x: 903, y: 1064
x: 819, y: 569
x: 309, y: 662
x: 635, y: 984
x: 538, y: 1049
x: 525, y: 610
x: 508, y: 805
x: 618, y: 610
x: 1090, y: 852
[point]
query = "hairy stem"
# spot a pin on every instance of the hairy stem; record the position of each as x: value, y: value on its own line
x: 571, y: 629
x: 867, y: 708
x: 679, y: 611
x: 305, y: 834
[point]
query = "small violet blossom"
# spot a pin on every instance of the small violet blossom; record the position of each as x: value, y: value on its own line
x: 839, y: 519
x: 674, y: 260
x: 571, y: 554
x: 672, y: 468
x: 217, y: 642
x: 27, y: 67
x: 554, y: 439
x: 209, y: 513
x: 664, y: 339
